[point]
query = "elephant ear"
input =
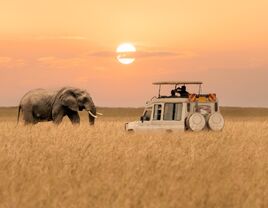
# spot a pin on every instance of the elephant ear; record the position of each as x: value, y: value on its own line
x: 68, y: 99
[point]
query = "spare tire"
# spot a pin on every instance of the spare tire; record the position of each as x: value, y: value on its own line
x: 196, y: 122
x: 216, y: 121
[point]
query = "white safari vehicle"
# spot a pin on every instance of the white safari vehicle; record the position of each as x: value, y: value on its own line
x: 180, y: 110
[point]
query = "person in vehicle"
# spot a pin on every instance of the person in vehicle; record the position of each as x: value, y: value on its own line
x: 173, y: 93
x: 182, y: 91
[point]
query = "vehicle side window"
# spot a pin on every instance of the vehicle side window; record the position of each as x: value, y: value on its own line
x: 173, y: 111
x: 147, y: 114
x: 157, y: 112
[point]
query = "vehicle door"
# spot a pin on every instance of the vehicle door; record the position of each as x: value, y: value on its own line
x: 146, y: 118
x: 151, y: 118
x: 174, y: 116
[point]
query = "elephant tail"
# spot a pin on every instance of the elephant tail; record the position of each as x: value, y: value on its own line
x: 18, y: 118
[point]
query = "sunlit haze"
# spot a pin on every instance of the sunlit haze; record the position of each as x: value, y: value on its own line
x: 50, y: 44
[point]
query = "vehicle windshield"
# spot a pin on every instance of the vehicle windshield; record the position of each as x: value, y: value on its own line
x: 147, y: 114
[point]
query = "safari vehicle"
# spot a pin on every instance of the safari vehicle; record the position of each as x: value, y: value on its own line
x: 180, y: 110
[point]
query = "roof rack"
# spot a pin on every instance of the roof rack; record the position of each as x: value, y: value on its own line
x: 177, y: 82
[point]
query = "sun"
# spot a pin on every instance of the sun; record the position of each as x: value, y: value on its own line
x: 125, y: 53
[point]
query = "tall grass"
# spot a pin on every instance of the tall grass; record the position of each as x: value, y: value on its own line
x: 103, y: 166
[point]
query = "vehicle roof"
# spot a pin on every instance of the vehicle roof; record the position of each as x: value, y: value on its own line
x: 174, y: 100
x: 176, y: 82
x: 168, y: 100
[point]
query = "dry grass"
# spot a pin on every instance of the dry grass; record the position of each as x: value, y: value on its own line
x: 65, y: 166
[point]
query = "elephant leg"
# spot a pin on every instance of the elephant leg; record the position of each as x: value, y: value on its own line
x: 29, y: 118
x: 57, y: 117
x: 74, y: 117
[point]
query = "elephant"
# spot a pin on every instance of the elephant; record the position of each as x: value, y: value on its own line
x: 46, y: 105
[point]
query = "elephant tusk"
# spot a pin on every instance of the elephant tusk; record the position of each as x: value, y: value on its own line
x: 100, y: 114
x: 89, y: 112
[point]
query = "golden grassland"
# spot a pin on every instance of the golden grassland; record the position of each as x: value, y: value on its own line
x: 80, y: 166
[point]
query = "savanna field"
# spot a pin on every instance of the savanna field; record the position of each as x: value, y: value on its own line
x: 102, y: 166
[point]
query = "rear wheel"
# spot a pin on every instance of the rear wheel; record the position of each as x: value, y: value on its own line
x: 216, y: 121
x: 196, y: 122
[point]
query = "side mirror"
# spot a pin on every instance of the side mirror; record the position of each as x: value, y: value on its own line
x: 142, y: 119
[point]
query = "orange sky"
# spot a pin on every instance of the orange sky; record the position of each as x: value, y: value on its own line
x: 50, y: 44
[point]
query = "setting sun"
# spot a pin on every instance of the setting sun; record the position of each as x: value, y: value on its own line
x: 125, y: 53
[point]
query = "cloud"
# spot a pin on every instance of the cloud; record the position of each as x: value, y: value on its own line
x: 140, y: 54
x: 143, y: 54
x: 147, y: 54
x: 61, y: 37
x: 11, y: 63
x: 58, y: 62
x: 103, y: 54
x: 46, y: 59
x: 4, y: 59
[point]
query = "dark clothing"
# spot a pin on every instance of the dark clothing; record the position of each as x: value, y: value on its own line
x: 182, y: 91
x: 173, y: 93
